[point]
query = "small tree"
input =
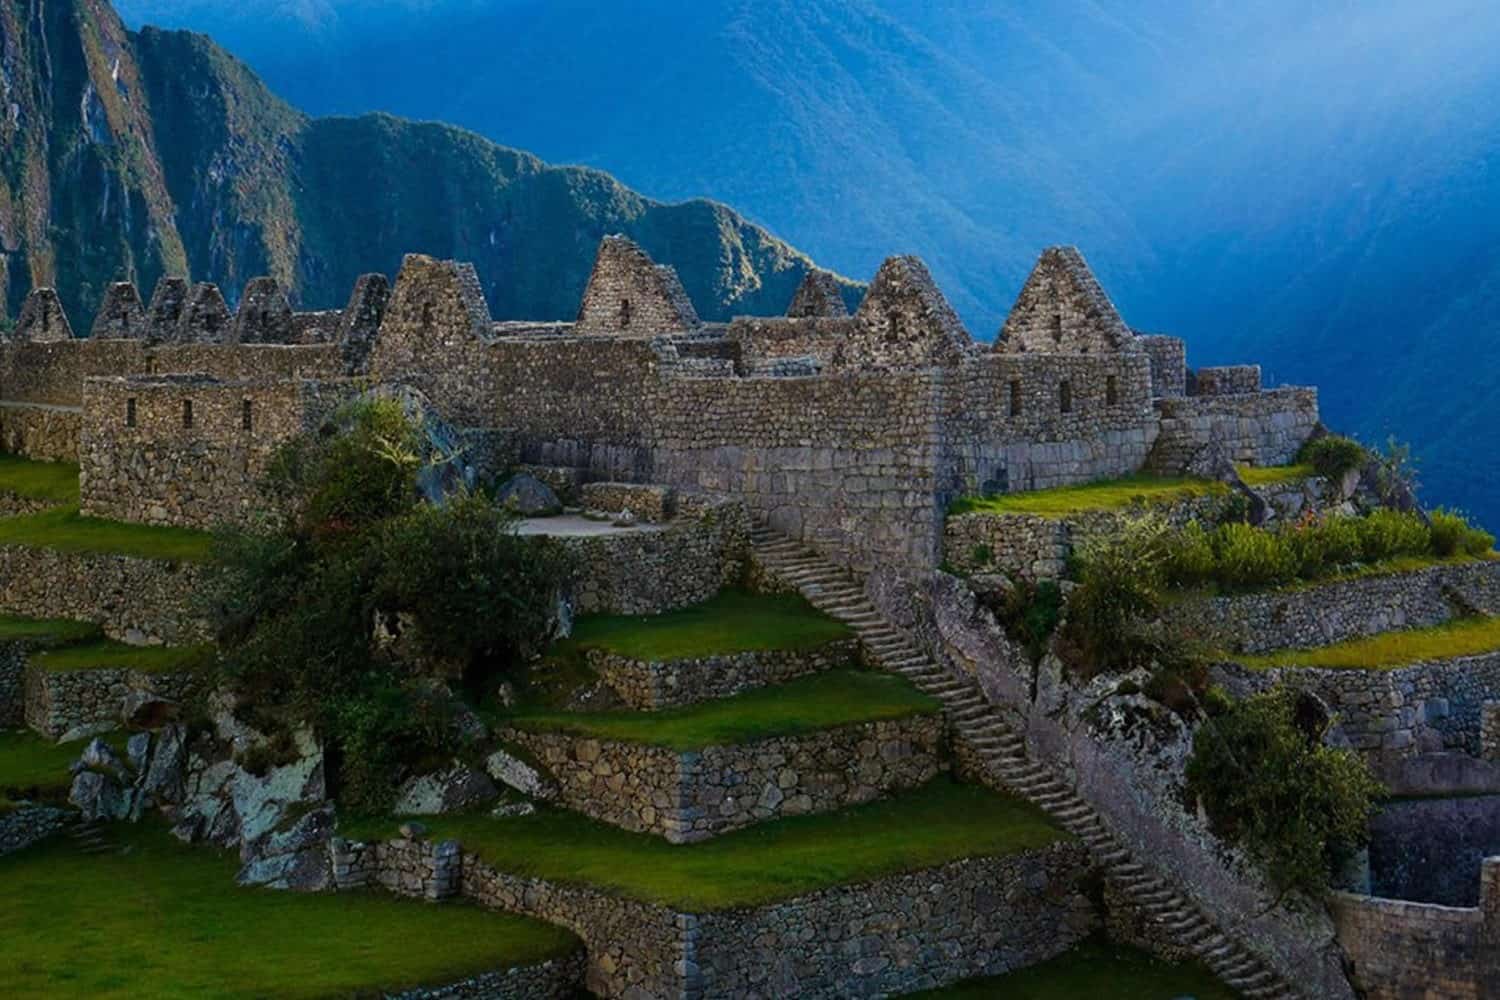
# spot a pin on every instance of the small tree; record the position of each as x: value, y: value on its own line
x: 1269, y: 784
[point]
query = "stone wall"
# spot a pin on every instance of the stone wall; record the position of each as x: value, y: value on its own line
x: 1431, y: 850
x: 13, y: 656
x: 919, y: 930
x: 28, y: 824
x: 1168, y: 364
x: 687, y: 796
x: 650, y: 685
x: 1401, y: 950
x: 1327, y: 613
x: 978, y: 917
x: 78, y: 701
x: 651, y: 570
x: 1260, y: 428
x: 129, y: 598
x: 558, y: 979
x: 1229, y: 380
x: 1063, y: 309
x: 648, y: 503
x: 631, y: 296
x: 40, y: 432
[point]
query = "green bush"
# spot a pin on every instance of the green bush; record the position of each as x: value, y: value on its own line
x: 1029, y: 612
x: 1121, y: 579
x: 1387, y: 534
x: 1333, y: 456
x: 1248, y: 557
x: 1190, y: 557
x: 1269, y: 785
x: 1452, y: 535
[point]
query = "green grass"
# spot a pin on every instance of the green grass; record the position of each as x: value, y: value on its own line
x: 933, y: 825
x: 1465, y: 637
x: 47, y: 631
x: 32, y: 766
x: 822, y: 701
x: 57, y: 481
x: 65, y: 530
x: 167, y: 921
x: 1119, y: 494
x: 106, y: 654
x: 1098, y: 969
x: 734, y: 621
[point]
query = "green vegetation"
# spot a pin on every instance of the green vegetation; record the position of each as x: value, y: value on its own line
x: 1452, y: 535
x: 732, y: 622
x: 46, y: 631
x: 1096, y: 968
x: 1029, y: 612
x: 1464, y: 637
x: 1299, y: 808
x: 343, y: 615
x: 39, y: 480
x: 822, y: 701
x: 1334, y: 456
x: 106, y: 654
x: 66, y: 530
x: 1141, y: 490
x: 176, y: 926
x: 32, y: 766
x: 933, y: 825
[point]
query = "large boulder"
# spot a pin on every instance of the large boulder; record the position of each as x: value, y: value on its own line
x: 513, y: 772
x: 528, y: 496
x: 293, y: 858
x: 452, y: 789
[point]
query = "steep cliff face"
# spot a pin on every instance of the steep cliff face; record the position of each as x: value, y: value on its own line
x: 132, y: 155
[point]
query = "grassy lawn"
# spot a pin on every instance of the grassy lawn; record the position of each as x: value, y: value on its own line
x: 938, y: 823
x: 732, y: 622
x: 1464, y: 637
x: 65, y: 530
x: 1096, y: 968
x: 822, y: 701
x: 46, y: 631
x: 106, y: 654
x: 32, y: 766
x: 166, y: 920
x: 56, y: 481
x: 1118, y: 494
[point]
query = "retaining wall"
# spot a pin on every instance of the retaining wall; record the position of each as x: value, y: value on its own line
x: 646, y: 685
x: 62, y: 702
x: 129, y: 598
x: 13, y: 657
x: 28, y: 824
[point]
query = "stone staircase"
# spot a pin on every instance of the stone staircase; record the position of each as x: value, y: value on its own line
x: 834, y: 591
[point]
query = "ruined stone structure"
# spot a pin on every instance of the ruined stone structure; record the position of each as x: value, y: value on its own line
x: 850, y: 432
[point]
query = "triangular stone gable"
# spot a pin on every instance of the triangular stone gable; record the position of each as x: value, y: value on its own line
x: 42, y: 320
x: 1062, y: 309
x: 205, y: 316
x: 630, y: 295
x: 165, y: 310
x: 360, y: 322
x: 121, y: 316
x: 264, y: 316
x: 906, y: 322
x: 818, y: 297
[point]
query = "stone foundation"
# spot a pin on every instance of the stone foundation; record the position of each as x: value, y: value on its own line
x: 59, y: 703
x: 688, y: 796
x: 648, y: 503
x: 40, y: 432
x: 650, y: 685
x: 29, y: 824
x: 981, y: 916
x: 129, y: 598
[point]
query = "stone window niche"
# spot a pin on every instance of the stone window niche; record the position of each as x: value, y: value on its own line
x: 187, y: 413
x: 1065, y: 396
x: 624, y: 314
x: 130, y: 412
x: 1111, y: 390
x: 247, y: 416
x: 1015, y: 397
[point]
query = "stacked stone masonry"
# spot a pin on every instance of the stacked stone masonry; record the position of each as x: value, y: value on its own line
x: 648, y: 685
x: 687, y: 796
x: 925, y: 929
x: 13, y: 659
x: 131, y: 599
x: 28, y: 824
x: 78, y: 701
x: 645, y: 502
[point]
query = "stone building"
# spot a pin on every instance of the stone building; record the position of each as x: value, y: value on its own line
x: 850, y: 432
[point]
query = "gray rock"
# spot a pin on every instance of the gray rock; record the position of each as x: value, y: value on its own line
x: 529, y: 497
x: 510, y: 810
x: 100, y: 756
x: 412, y: 830
x: 146, y: 710
x: 513, y: 772
x: 295, y: 858
x: 456, y: 788
x: 165, y: 777
x: 137, y: 751
x: 101, y: 796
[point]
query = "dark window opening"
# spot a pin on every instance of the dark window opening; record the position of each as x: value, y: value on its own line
x: 1065, y: 396
x: 624, y: 314
x: 426, y: 314
x: 187, y: 413
x: 246, y: 420
x: 1057, y: 326
x: 1015, y: 398
x: 1111, y: 390
x: 893, y: 327
x: 130, y: 412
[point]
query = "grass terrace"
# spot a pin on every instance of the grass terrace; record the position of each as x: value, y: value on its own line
x: 1096, y: 968
x: 32, y: 766
x: 936, y: 824
x: 1389, y: 650
x: 808, y: 704
x: 46, y: 631
x: 106, y: 654
x: 1119, y: 494
x: 64, y: 529
x: 176, y: 926
x: 54, y: 481
x: 735, y: 621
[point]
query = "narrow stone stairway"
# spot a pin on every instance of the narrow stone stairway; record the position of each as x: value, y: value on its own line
x: 834, y: 591
x: 90, y: 837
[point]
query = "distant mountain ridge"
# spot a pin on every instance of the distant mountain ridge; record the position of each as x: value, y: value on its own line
x: 131, y: 155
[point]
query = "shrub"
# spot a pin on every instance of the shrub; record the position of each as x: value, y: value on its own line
x: 1270, y: 786
x: 1121, y: 577
x: 1190, y: 557
x: 1387, y: 534
x: 1333, y: 456
x: 1029, y: 612
x: 1452, y: 535
x: 1247, y: 556
x: 981, y: 555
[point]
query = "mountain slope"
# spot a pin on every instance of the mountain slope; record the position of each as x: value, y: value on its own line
x: 181, y: 159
